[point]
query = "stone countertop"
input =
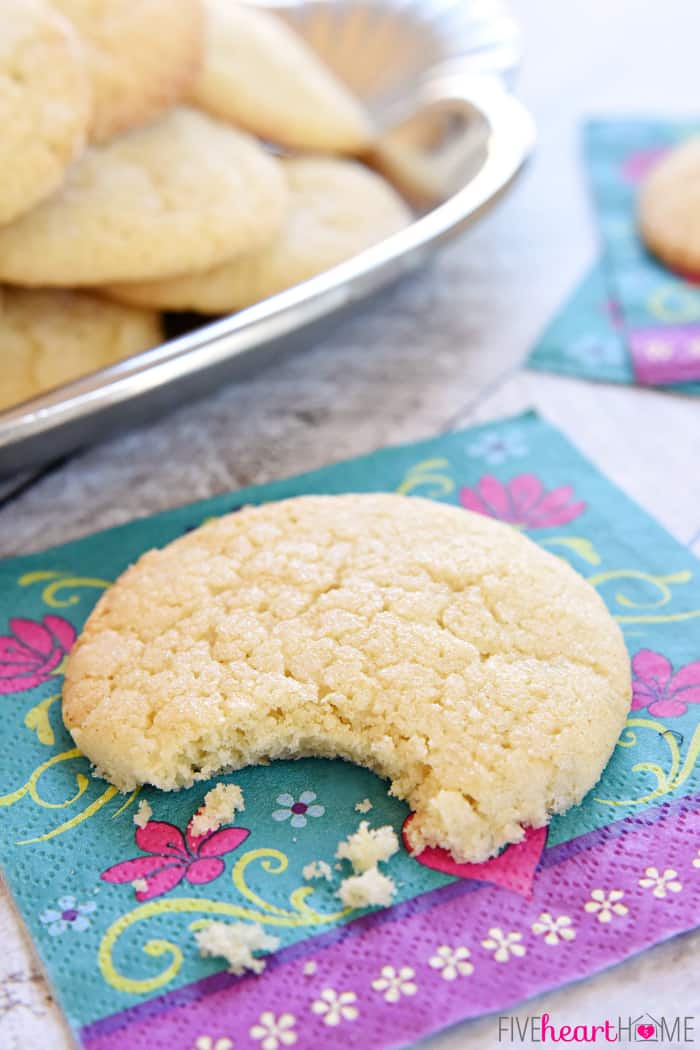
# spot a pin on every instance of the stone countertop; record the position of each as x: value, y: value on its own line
x: 443, y: 349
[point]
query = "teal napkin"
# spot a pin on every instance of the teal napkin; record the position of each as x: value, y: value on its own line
x: 127, y: 973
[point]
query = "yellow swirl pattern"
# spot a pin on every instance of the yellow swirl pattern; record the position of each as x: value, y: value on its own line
x: 80, y: 818
x: 670, y: 303
x: 56, y: 582
x: 662, y: 586
x: 272, y: 861
x: 31, y: 786
x: 37, y: 720
x: 32, y: 789
x: 429, y: 474
x: 667, y: 780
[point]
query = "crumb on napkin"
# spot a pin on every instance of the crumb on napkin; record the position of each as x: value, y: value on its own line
x: 317, y: 869
x: 368, y: 846
x: 363, y: 807
x: 219, y: 807
x: 235, y: 942
x: 371, y: 889
x: 143, y: 814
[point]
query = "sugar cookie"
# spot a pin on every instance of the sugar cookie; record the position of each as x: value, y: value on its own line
x: 44, y: 103
x: 669, y: 208
x: 142, y: 56
x: 337, y: 208
x: 48, y: 338
x: 178, y: 196
x: 477, y: 672
x: 260, y: 75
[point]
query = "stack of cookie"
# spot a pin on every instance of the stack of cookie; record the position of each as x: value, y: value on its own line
x: 166, y: 154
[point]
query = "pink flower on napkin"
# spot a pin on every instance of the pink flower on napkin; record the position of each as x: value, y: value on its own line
x: 656, y: 687
x: 174, y: 857
x: 522, y: 501
x: 33, y: 651
x: 636, y: 166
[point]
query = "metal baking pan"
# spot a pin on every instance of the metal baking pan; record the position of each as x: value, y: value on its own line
x: 436, y: 75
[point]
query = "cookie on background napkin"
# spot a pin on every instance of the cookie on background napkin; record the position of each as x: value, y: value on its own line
x: 669, y: 209
x: 178, y: 196
x: 44, y: 103
x: 613, y: 876
x: 337, y: 208
x: 659, y: 310
x: 51, y: 337
x: 142, y: 56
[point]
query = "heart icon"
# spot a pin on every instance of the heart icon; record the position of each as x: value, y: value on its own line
x: 646, y: 1031
x: 514, y: 869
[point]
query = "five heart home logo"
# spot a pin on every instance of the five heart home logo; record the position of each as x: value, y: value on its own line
x: 676, y: 1031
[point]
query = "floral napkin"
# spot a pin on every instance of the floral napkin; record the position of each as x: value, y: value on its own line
x: 631, y: 320
x: 586, y: 338
x: 659, y: 310
x: 609, y: 878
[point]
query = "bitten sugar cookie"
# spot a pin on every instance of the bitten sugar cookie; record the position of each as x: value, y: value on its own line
x: 178, y: 196
x: 478, y: 673
x: 48, y: 338
x: 44, y: 103
x: 259, y: 74
x: 337, y: 208
x: 141, y: 55
x: 669, y: 208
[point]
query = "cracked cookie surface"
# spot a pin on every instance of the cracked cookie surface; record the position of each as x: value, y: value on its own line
x: 478, y: 673
x: 337, y: 208
x: 141, y: 57
x: 180, y: 195
x: 51, y: 337
x: 44, y: 103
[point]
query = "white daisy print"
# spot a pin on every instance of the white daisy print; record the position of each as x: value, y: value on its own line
x: 590, y: 349
x: 554, y: 930
x: 207, y: 1042
x: 67, y: 915
x: 395, y: 983
x: 503, y: 945
x: 604, y: 905
x: 273, y: 1032
x: 451, y: 962
x: 298, y: 810
x: 497, y: 446
x: 335, y: 1007
x: 659, y: 882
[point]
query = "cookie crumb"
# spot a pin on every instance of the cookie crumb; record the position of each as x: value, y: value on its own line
x: 235, y: 942
x: 363, y: 807
x: 309, y: 968
x: 219, y: 807
x: 143, y: 814
x: 140, y: 885
x: 368, y: 846
x: 371, y: 889
x: 317, y: 869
